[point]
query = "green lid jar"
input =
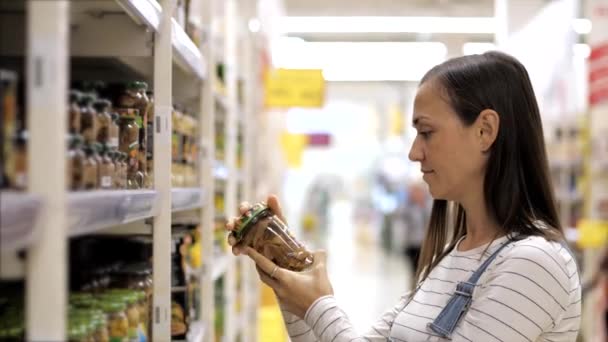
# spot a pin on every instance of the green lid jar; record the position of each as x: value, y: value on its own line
x: 118, y: 325
x: 260, y: 229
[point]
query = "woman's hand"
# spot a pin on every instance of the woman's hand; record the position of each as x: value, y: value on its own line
x: 296, y: 291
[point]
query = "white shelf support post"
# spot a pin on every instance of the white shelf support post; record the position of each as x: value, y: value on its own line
x: 230, y: 67
x: 47, y: 82
x: 163, y: 64
x: 207, y: 158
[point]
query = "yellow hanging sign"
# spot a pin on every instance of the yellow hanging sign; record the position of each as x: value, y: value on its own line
x: 592, y: 233
x: 286, y: 88
x: 293, y: 146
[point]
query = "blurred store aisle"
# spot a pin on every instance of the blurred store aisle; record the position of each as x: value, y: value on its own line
x: 366, y: 280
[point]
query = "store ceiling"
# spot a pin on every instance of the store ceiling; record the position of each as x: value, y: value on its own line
x: 440, y: 8
x: 469, y: 8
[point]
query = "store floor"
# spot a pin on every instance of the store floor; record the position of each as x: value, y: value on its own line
x: 366, y: 280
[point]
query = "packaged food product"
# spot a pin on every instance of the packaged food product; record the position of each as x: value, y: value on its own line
x: 178, y: 321
x: 106, y: 169
x: 118, y: 324
x: 104, y: 120
x: 262, y: 230
x: 88, y: 118
x: 114, y: 132
x: 19, y: 178
x: 150, y: 139
x: 129, y: 141
x: 144, y: 107
x: 75, y: 165
x: 129, y: 298
x: 8, y: 115
x: 74, y: 112
x: 89, y: 169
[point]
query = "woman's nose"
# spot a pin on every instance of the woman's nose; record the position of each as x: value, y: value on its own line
x: 416, y: 154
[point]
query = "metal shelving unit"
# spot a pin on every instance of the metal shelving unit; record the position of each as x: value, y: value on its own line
x: 142, y: 36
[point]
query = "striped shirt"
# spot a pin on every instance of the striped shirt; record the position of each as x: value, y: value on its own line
x: 530, y: 292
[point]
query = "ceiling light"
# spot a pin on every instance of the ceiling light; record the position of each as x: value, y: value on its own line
x: 390, y: 24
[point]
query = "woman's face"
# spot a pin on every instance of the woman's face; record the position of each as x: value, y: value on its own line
x: 448, y: 151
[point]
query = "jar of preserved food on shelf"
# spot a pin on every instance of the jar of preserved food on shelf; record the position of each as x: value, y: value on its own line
x: 74, y: 112
x: 124, y: 164
x: 19, y: 179
x: 129, y: 141
x: 101, y: 327
x: 114, y: 131
x: 118, y: 324
x: 144, y: 107
x: 77, y: 333
x: 150, y: 139
x: 8, y: 101
x: 106, y: 169
x: 104, y: 120
x: 262, y: 230
x: 88, y: 118
x: 89, y: 169
x: 132, y: 98
x: 76, y: 160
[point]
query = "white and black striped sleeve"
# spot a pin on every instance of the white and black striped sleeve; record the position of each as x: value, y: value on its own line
x: 326, y: 322
x: 523, y: 295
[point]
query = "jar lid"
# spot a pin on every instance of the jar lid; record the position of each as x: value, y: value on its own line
x: 250, y: 218
x: 102, y: 105
x: 75, y: 95
x: 133, y: 85
x: 142, y: 85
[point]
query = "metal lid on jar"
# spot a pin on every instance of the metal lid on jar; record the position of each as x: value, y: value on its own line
x: 250, y: 218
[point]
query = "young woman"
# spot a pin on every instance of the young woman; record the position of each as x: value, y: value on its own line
x: 493, y: 266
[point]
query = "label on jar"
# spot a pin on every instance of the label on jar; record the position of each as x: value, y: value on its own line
x: 113, y: 142
x: 106, y: 182
x: 21, y: 180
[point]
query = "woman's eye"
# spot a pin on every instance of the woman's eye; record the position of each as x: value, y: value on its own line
x: 425, y: 134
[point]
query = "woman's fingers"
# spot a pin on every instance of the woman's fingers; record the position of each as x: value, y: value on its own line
x: 266, y: 279
x: 244, y: 207
x: 273, y: 204
x: 265, y: 264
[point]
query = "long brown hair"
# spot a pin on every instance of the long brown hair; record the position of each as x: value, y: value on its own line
x: 517, y: 186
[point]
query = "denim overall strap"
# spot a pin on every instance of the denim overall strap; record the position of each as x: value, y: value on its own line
x: 459, y: 303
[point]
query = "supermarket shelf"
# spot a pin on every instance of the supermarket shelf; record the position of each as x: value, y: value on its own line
x: 196, y: 333
x: 219, y: 267
x: 569, y: 197
x: 92, y: 211
x: 566, y: 164
x: 149, y: 12
x: 186, y: 199
x: 18, y: 212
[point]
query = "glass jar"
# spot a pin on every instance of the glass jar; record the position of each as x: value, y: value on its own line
x: 143, y: 106
x: 118, y: 324
x: 89, y: 169
x: 77, y: 333
x: 8, y: 125
x: 101, y: 327
x: 76, y: 160
x: 262, y: 230
x: 150, y: 139
x: 129, y: 141
x: 88, y: 118
x: 124, y: 169
x: 114, y: 132
x: 19, y: 179
x: 104, y: 120
x: 106, y: 169
x: 74, y: 112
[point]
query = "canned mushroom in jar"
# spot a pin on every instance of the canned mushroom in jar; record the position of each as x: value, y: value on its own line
x: 262, y: 230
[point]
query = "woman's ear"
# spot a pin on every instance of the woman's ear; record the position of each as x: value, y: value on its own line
x: 487, y: 126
